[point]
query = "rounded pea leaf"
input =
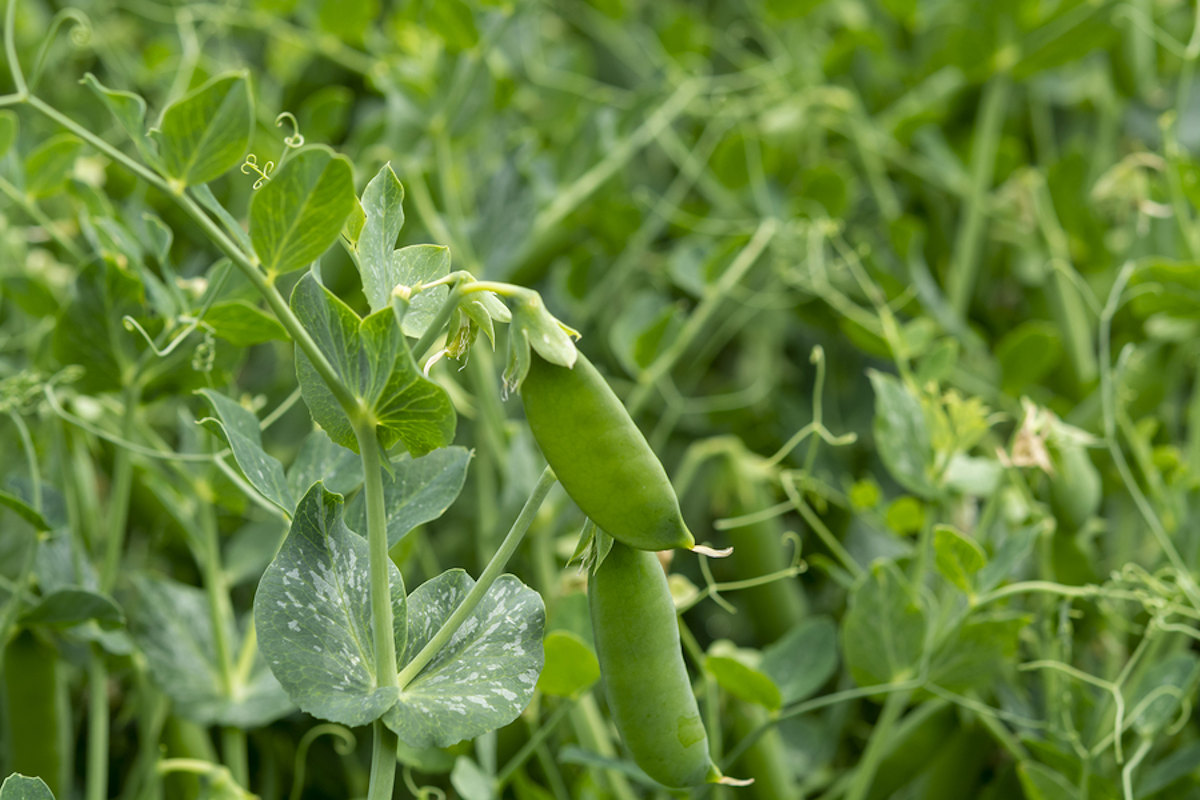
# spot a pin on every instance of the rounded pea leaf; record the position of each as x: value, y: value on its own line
x: 884, y: 630
x: 958, y: 557
x: 240, y: 427
x: 803, y: 658
x: 22, y: 787
x: 419, y: 490
x: 67, y: 607
x: 301, y: 210
x: 313, y: 612
x: 49, y: 166
x: 571, y: 666
x: 372, y: 359
x: 737, y: 673
x: 485, y: 675
x: 207, y: 131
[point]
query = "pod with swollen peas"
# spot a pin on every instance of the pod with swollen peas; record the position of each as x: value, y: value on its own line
x: 645, y: 680
x: 600, y: 457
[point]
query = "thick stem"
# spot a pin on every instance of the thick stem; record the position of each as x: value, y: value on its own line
x: 489, y: 575
x: 377, y: 544
x: 97, y: 741
x: 383, y: 762
x: 965, y: 260
x: 234, y: 754
x: 864, y: 773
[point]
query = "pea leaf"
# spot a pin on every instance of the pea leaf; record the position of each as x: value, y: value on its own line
x: 803, y: 659
x: 129, y: 109
x: 372, y: 358
x: 89, y: 330
x: 413, y: 265
x: 21, y: 787
x: 978, y: 650
x: 320, y: 459
x: 313, y: 614
x: 485, y: 675
x: 883, y: 632
x: 901, y: 435
x: 173, y: 628
x: 299, y: 213
x: 1161, y: 692
x: 67, y: 607
x: 571, y: 667
x: 241, y: 429
x: 1039, y: 782
x: 23, y: 510
x: 958, y: 557
x: 419, y: 490
x: 382, y: 204
x: 207, y: 131
x: 243, y: 324
x: 48, y: 167
x: 738, y: 675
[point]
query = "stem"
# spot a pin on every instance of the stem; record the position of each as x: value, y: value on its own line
x: 965, y: 260
x: 377, y: 544
x: 97, y: 741
x: 698, y: 321
x: 439, y: 321
x: 489, y: 575
x: 383, y: 762
x: 10, y: 49
x: 118, y: 512
x: 527, y: 750
x: 864, y: 773
x: 233, y: 750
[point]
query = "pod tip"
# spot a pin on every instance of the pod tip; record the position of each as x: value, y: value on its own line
x: 711, y: 552
x: 725, y: 780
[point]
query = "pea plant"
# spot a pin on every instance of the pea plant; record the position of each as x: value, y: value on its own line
x: 896, y: 301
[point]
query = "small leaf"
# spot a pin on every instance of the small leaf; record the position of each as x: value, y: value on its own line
x: 1039, y: 782
x: 129, y: 109
x: 736, y: 674
x: 382, y: 205
x: 977, y: 652
x: 415, y: 265
x: 207, y: 131
x: 320, y: 459
x: 485, y: 675
x: 300, y: 212
x: 901, y: 435
x: 571, y: 666
x: 803, y: 659
x: 242, y: 430
x: 313, y: 613
x: 23, y: 510
x: 243, y: 324
x: 958, y: 557
x: 21, y: 787
x: 419, y: 490
x: 883, y: 632
x: 67, y: 607
x: 372, y: 359
x: 49, y: 166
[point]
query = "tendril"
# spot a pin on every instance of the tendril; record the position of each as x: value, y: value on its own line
x: 80, y: 36
x: 296, y: 140
x: 250, y: 165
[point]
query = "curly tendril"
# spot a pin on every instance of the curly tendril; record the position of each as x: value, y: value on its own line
x: 296, y: 140
x: 250, y: 165
x: 80, y: 36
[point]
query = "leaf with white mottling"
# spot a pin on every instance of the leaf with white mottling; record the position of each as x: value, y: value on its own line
x: 241, y: 428
x: 313, y: 612
x: 485, y: 675
x: 22, y: 787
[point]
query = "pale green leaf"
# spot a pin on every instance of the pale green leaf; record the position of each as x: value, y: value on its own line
x: 300, y: 212
x: 485, y: 675
x: 240, y: 427
x: 48, y: 167
x: 883, y: 632
x: 206, y: 132
x: 901, y: 435
x: 313, y: 614
x: 803, y: 659
x: 571, y: 666
x: 419, y: 490
x: 22, y: 787
x: 958, y: 557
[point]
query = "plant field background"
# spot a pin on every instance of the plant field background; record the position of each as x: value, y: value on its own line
x: 905, y: 295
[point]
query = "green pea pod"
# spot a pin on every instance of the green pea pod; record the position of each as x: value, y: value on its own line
x: 649, y: 694
x: 39, y: 728
x: 600, y: 457
x: 1075, y: 489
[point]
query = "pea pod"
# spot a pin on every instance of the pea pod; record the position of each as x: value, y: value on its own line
x: 38, y: 719
x: 600, y: 457
x: 649, y: 694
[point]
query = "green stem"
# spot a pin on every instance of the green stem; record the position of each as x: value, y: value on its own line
x: 594, y: 735
x: 527, y: 750
x: 97, y: 742
x: 377, y: 544
x: 697, y: 323
x: 964, y: 263
x: 118, y: 511
x: 233, y: 752
x: 489, y: 575
x: 10, y: 49
x: 383, y: 762
x: 439, y: 322
x: 877, y: 746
